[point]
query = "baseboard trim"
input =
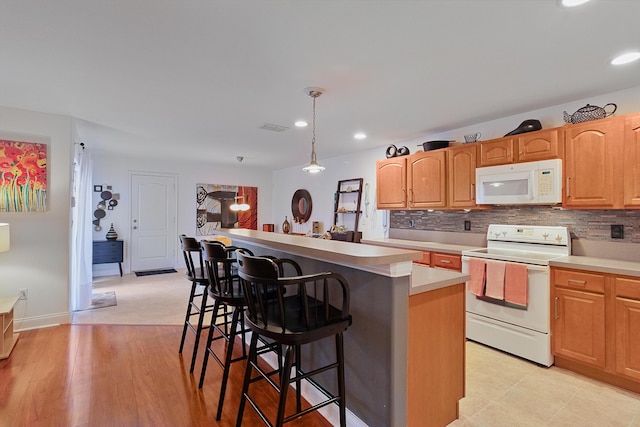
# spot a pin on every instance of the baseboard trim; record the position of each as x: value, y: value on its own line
x: 37, y: 322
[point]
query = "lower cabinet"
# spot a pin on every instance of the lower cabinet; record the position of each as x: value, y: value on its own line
x: 595, y: 325
x: 441, y: 260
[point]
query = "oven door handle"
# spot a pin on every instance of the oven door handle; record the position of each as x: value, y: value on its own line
x: 530, y: 267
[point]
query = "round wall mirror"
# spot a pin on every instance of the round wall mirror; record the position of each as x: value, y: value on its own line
x: 301, y: 206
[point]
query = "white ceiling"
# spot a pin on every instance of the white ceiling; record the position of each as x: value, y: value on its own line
x: 197, y: 78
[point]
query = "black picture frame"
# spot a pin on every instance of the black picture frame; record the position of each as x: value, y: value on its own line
x: 97, y: 188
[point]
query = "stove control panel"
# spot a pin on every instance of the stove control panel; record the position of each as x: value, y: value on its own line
x: 549, y: 235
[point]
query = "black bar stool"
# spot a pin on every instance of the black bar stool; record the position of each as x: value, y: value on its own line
x: 196, y: 274
x: 224, y: 287
x: 292, y: 319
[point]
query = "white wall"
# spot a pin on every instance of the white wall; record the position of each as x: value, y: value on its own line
x: 114, y: 170
x: 39, y: 256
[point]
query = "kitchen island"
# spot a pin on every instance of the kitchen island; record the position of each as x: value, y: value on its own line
x: 404, y: 352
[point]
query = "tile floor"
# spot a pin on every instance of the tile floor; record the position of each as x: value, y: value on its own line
x: 501, y: 390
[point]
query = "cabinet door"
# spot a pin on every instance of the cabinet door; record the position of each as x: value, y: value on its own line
x: 591, y: 150
x: 426, y: 180
x: 627, y: 328
x: 578, y: 326
x: 540, y: 145
x: 462, y: 176
x: 391, y: 184
x: 497, y: 152
x: 632, y: 161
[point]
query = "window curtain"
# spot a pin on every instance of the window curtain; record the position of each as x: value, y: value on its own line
x: 81, y: 233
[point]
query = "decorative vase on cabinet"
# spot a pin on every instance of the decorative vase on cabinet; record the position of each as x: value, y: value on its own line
x: 111, y: 234
x: 286, y: 227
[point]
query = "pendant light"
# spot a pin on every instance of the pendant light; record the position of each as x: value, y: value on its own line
x: 237, y: 206
x: 313, y: 166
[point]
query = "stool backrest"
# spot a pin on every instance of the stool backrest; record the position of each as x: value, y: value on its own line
x: 219, y: 263
x: 191, y: 250
x: 319, y: 300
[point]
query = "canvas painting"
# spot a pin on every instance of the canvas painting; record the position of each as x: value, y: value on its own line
x: 213, y: 208
x: 23, y: 176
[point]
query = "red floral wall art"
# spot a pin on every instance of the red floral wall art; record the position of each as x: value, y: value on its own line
x: 23, y: 176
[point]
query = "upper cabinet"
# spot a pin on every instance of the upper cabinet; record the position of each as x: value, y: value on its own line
x: 602, y: 163
x: 426, y: 180
x: 461, y: 176
x: 632, y: 161
x: 527, y: 147
x: 391, y: 183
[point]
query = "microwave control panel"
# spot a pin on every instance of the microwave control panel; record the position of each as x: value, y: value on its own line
x: 545, y: 182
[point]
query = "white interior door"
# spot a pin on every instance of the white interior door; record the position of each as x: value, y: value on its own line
x: 153, y: 221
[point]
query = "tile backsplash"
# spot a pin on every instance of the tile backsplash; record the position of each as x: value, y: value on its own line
x: 583, y: 224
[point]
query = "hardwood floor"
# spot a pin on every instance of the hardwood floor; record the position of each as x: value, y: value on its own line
x: 117, y: 375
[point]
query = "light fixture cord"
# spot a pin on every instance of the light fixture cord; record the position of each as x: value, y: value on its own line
x: 313, y: 132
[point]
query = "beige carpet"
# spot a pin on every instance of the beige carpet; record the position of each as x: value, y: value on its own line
x: 146, y: 300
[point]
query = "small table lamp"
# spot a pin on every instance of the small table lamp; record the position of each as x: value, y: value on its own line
x: 4, y: 237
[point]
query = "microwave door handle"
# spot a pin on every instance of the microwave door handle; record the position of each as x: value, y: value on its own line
x: 531, y: 193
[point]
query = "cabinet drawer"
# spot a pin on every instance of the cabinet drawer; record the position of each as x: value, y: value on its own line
x: 426, y: 258
x: 627, y: 288
x: 592, y: 282
x: 107, y: 251
x: 449, y: 261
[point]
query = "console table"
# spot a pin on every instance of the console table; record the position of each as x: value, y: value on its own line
x: 9, y: 338
x: 108, y: 251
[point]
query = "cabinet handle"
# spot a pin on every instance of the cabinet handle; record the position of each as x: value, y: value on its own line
x: 568, y: 192
x: 445, y: 261
x: 555, y: 308
x: 578, y: 282
x: 411, y: 196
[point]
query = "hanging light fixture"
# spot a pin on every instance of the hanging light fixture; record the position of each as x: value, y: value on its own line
x: 313, y: 166
x: 237, y: 206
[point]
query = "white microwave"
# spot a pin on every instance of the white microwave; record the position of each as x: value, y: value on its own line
x: 531, y: 183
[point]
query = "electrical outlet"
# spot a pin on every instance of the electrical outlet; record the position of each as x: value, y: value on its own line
x: 23, y: 293
x: 467, y: 225
x: 412, y: 223
x: 617, y: 231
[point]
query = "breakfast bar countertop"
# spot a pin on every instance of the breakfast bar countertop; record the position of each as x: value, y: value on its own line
x: 418, y: 245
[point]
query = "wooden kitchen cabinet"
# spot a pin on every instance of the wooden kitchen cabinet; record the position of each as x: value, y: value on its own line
x: 391, y: 183
x: 627, y: 327
x: 497, y: 152
x: 461, y: 174
x: 448, y: 261
x: 425, y: 260
x: 595, y: 325
x: 426, y: 180
x: 632, y: 161
x: 592, y: 153
x: 540, y: 145
x: 543, y: 144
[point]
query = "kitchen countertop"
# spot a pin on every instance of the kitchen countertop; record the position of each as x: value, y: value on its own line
x: 602, y: 265
x: 418, y: 245
x: 425, y: 279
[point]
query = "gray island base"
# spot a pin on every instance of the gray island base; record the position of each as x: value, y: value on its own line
x: 404, y: 352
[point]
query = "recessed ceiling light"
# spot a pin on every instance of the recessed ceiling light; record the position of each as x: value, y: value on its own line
x: 572, y: 3
x: 625, y: 58
x: 301, y: 124
x: 360, y: 135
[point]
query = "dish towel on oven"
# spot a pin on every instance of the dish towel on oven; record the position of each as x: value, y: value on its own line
x: 516, y: 283
x: 476, y: 271
x: 495, y: 279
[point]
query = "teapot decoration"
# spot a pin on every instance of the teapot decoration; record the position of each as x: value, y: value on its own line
x: 589, y: 112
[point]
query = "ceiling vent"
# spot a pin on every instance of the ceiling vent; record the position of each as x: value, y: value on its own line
x: 274, y: 128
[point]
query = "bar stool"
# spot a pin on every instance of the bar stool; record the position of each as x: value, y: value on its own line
x: 292, y: 320
x: 224, y: 287
x: 196, y: 274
